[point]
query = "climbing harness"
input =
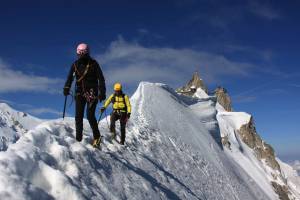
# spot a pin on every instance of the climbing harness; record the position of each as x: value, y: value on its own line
x: 88, y: 95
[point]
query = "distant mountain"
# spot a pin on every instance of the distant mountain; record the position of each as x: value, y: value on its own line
x: 190, y: 88
x: 292, y: 176
x: 13, y: 125
x: 296, y: 166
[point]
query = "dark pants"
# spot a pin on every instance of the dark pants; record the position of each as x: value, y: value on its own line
x: 90, y: 112
x: 122, y: 116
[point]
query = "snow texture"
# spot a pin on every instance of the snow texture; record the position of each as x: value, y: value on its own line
x: 258, y: 170
x: 13, y: 125
x: 230, y: 123
x: 292, y: 177
x: 296, y: 165
x: 171, y: 152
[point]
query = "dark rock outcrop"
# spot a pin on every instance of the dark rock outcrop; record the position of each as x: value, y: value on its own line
x: 225, y: 142
x: 264, y: 151
x: 253, y: 140
x: 223, y: 98
x: 281, y: 190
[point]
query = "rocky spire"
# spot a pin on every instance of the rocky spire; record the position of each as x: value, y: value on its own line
x: 265, y: 153
x: 223, y: 98
x: 191, y: 87
x: 262, y: 149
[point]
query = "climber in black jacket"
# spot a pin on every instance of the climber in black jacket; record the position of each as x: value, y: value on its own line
x: 90, y: 87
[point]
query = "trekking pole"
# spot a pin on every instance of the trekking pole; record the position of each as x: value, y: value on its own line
x: 100, y: 118
x: 66, y: 97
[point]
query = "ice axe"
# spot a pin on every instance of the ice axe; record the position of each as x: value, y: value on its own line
x: 101, y: 111
x: 64, y: 112
x: 100, y: 117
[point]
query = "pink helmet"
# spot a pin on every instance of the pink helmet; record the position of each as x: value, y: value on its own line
x: 82, y: 49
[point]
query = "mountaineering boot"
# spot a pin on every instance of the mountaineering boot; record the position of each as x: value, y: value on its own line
x: 97, y: 142
x: 78, y: 137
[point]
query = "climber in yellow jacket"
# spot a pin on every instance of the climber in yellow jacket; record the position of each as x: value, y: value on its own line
x: 121, y: 111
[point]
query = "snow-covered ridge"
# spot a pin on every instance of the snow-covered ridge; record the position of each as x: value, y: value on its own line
x: 14, y: 124
x: 257, y: 158
x: 226, y: 125
x: 170, y: 154
x: 25, y: 119
x: 240, y: 140
x: 234, y: 119
x: 292, y: 176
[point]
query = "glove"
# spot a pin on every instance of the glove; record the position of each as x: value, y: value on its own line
x: 128, y: 115
x: 102, y: 97
x: 102, y: 109
x: 66, y: 91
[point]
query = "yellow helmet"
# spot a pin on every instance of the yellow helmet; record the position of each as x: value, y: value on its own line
x: 117, y: 87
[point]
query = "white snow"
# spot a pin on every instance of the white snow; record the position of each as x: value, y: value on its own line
x: 261, y: 173
x: 222, y: 123
x: 25, y: 119
x: 201, y: 94
x: 296, y: 165
x: 292, y: 177
x: 14, y: 124
x: 171, y: 152
x: 230, y: 123
x: 235, y: 119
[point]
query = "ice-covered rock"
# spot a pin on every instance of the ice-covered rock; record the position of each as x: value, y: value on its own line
x: 14, y: 124
x: 191, y: 87
x: 223, y: 98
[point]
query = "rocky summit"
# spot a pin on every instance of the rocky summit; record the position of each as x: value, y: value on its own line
x: 193, y: 84
x: 223, y: 98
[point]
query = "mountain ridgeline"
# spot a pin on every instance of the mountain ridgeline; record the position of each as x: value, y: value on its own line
x: 183, y: 144
x: 247, y: 133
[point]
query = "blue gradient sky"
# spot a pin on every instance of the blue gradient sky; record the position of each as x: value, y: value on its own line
x: 249, y: 47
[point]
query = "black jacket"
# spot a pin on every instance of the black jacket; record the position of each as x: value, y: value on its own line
x: 92, y: 79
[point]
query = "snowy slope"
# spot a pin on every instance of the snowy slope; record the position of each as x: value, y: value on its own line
x: 296, y: 166
x: 229, y: 125
x: 222, y: 123
x: 25, y: 119
x: 13, y: 124
x: 292, y: 176
x: 201, y: 94
x: 224, y: 126
x: 170, y: 154
x: 240, y: 152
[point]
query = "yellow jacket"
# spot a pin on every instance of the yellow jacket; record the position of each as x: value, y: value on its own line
x: 120, y: 102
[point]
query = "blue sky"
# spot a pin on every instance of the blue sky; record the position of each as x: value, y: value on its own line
x: 249, y: 47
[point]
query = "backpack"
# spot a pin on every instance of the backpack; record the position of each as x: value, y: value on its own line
x: 113, y: 100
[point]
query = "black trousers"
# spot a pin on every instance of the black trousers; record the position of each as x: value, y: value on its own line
x: 122, y: 116
x: 90, y: 113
